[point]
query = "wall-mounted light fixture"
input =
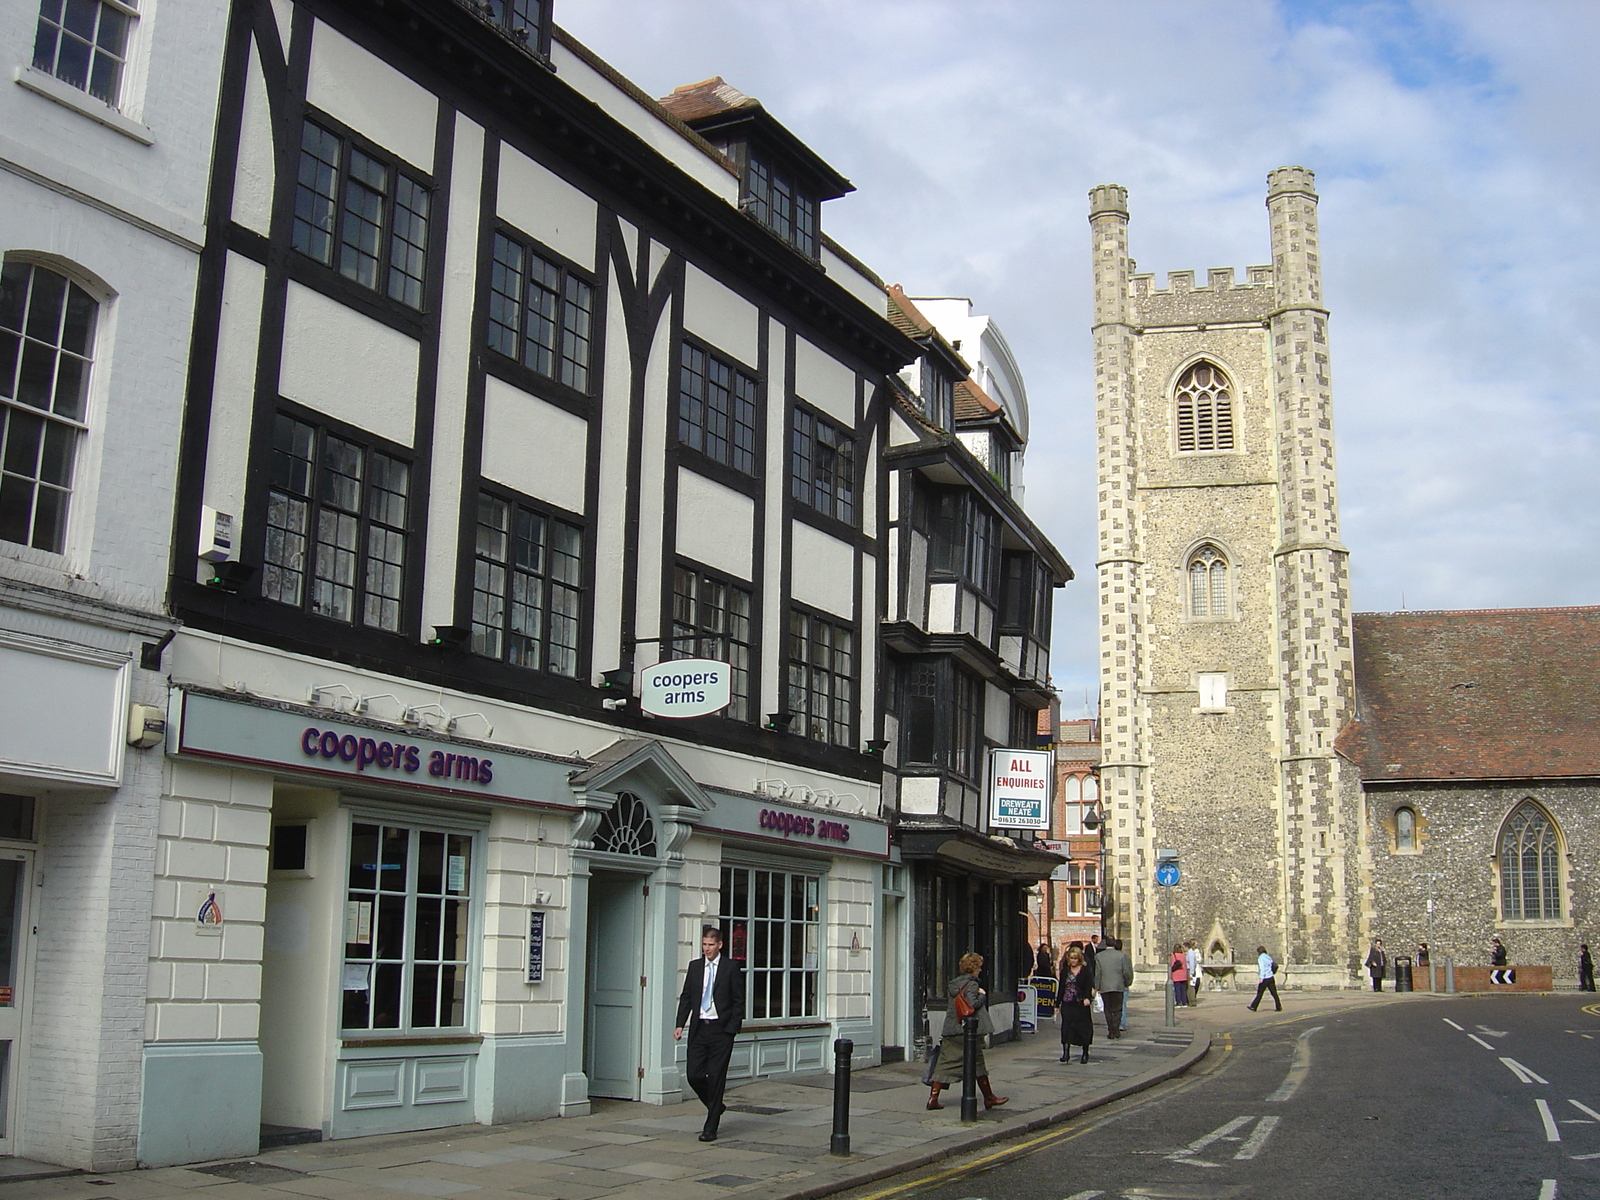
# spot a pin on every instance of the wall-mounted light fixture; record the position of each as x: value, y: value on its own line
x: 876, y: 746
x: 618, y: 688
x: 450, y: 637
x: 778, y: 722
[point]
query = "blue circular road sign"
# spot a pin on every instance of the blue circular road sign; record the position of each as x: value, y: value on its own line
x: 1167, y: 874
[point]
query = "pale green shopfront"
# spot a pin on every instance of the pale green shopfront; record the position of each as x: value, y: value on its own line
x: 361, y: 929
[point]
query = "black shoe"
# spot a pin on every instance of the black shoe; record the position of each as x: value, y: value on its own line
x: 1251, y: 1007
x: 1067, y: 1057
x: 708, y: 1135
x: 1085, y: 1057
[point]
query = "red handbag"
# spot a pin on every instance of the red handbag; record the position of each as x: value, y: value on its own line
x: 963, y: 1009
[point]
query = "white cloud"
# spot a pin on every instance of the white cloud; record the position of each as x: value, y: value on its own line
x: 1458, y: 162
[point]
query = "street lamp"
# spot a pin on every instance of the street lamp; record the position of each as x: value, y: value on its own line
x: 1094, y: 823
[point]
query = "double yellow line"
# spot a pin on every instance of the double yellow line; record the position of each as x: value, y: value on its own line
x: 1222, y: 1044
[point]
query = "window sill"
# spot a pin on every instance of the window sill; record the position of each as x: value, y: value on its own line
x: 373, y: 1043
x: 781, y: 1026
x: 79, y: 101
x: 1546, y: 924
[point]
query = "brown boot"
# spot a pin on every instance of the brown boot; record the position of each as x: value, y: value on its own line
x: 933, y: 1096
x: 990, y: 1100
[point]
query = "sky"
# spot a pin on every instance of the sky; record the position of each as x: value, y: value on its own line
x: 1457, y: 155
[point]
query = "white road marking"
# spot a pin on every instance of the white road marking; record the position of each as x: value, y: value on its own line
x: 1298, y: 1071
x: 1522, y: 1073
x: 1487, y: 1032
x: 1258, y: 1137
x: 1188, y: 1152
x: 1547, y: 1190
x: 1480, y: 1041
x: 1453, y: 1025
x: 1084, y: 1195
x: 1551, y: 1133
x: 1585, y: 1109
x: 1584, y: 1157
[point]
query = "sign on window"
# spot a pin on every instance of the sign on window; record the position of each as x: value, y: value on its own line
x: 1019, y: 788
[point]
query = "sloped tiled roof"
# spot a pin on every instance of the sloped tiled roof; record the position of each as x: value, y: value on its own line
x: 1482, y: 694
x: 973, y: 403
x: 696, y: 101
x: 906, y: 316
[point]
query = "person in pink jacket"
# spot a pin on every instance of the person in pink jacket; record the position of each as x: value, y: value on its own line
x: 1178, y: 968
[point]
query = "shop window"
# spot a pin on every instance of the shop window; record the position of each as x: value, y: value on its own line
x: 47, y: 326
x: 84, y: 43
x: 772, y: 921
x: 711, y: 619
x: 1530, y: 867
x: 717, y: 409
x: 361, y: 215
x: 822, y: 678
x: 626, y: 828
x: 407, y: 934
x: 823, y: 474
x: 527, y: 607
x: 541, y: 313
x: 336, y: 526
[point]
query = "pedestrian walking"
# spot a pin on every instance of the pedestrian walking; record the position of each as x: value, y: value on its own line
x: 1178, y: 968
x: 1422, y: 954
x: 1090, y: 949
x: 1497, y: 953
x: 1043, y: 963
x: 1113, y: 976
x: 1267, y: 967
x: 712, y: 1006
x: 1191, y: 958
x: 1076, y: 990
x: 1377, y: 964
x: 966, y: 996
x: 1585, y: 969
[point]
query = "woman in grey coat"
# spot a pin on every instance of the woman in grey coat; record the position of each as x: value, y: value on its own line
x: 948, y: 1069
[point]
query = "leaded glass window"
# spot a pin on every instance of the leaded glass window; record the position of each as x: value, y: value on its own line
x: 541, y: 313
x: 711, y: 619
x: 1530, y: 867
x: 527, y: 602
x: 1208, y: 583
x: 717, y: 409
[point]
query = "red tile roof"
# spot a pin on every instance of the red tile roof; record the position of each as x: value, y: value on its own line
x: 696, y: 101
x: 906, y: 316
x: 1482, y: 694
x: 973, y: 403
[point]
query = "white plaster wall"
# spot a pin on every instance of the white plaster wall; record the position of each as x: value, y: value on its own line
x: 456, y: 353
x: 534, y: 447
x: 919, y: 795
x: 372, y: 97
x: 774, y: 611
x: 900, y: 431
x: 822, y: 571
x: 869, y: 291
x: 213, y: 832
x: 234, y: 388
x: 545, y: 206
x: 997, y: 715
x: 349, y: 366
x: 721, y: 317
x: 254, y: 174
x: 824, y: 381
x: 716, y: 525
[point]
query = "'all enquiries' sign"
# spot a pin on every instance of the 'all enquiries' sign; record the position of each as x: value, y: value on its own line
x: 1019, y: 788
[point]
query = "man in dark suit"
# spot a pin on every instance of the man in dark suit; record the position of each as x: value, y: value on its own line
x: 712, y: 1006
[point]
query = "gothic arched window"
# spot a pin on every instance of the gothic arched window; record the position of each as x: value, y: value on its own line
x: 1530, y: 867
x: 627, y: 828
x: 1208, y: 583
x: 1205, y: 409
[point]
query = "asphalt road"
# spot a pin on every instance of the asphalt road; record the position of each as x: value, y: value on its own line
x: 1495, y: 1097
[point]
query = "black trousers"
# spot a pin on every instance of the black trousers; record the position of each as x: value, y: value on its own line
x: 1269, y: 984
x: 1113, y: 1013
x: 1377, y: 983
x: 707, y: 1066
x: 1586, y: 981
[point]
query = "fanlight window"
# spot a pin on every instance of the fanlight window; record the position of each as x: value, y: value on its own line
x: 1205, y: 410
x: 627, y: 828
x: 1530, y: 868
x: 1208, y: 583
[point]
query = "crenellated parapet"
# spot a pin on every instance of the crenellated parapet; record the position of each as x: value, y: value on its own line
x: 1221, y: 299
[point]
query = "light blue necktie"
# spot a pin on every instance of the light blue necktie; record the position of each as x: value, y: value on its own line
x: 710, y: 972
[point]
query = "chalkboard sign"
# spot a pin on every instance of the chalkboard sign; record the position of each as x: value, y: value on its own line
x: 536, y: 946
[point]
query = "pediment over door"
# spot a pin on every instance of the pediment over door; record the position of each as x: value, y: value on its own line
x: 638, y: 801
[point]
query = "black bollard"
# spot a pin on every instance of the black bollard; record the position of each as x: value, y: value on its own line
x: 839, y: 1143
x: 969, y: 1068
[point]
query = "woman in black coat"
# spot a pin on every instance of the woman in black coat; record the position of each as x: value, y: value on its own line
x: 1074, y: 996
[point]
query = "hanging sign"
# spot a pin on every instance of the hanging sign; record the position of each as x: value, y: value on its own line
x: 1019, y: 788
x: 686, y: 687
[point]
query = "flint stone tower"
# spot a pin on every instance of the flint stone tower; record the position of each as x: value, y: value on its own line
x: 1226, y: 667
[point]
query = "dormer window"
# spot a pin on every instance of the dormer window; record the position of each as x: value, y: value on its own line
x: 938, y: 395
x: 781, y: 204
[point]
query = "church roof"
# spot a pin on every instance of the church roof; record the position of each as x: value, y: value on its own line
x: 1478, y: 694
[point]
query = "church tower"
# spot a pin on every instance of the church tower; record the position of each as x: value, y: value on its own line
x: 1226, y: 668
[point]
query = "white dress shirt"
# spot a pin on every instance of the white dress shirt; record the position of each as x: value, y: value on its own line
x: 708, y: 1006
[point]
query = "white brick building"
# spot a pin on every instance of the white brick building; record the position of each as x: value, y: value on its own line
x: 105, y: 151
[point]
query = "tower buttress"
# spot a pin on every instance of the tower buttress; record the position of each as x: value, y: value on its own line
x: 1119, y: 566
x: 1312, y: 571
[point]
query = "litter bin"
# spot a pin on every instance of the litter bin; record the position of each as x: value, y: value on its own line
x: 1402, y: 974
